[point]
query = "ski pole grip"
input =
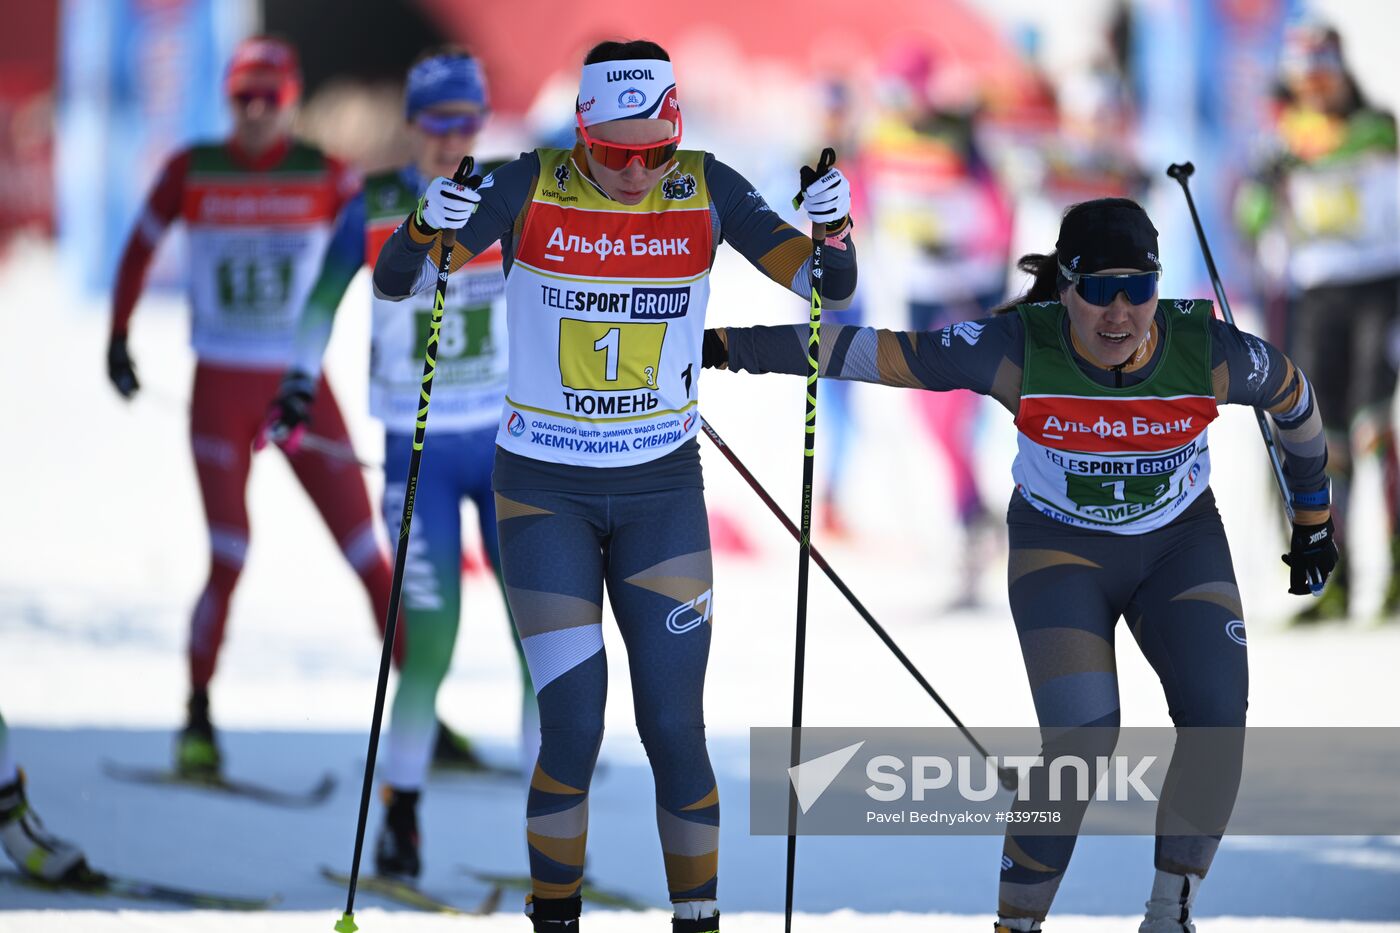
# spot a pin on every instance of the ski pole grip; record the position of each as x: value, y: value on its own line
x: 808, y: 174
x: 463, y: 176
x: 1181, y: 171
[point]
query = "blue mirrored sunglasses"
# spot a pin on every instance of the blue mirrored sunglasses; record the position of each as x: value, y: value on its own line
x: 446, y: 124
x: 1102, y: 289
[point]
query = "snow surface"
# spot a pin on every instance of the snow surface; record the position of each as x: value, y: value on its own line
x: 105, y: 551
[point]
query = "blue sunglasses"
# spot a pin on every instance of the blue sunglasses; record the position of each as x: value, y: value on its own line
x: 1102, y: 289
x: 446, y: 124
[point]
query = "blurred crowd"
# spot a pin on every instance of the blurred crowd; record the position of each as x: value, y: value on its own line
x: 961, y: 162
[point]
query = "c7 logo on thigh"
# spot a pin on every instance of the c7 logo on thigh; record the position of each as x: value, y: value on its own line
x: 688, y: 615
x: 1234, y: 630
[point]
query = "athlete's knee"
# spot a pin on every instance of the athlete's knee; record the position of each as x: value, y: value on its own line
x: 1206, y: 703
x: 361, y: 548
x: 569, y: 745
x: 571, y: 707
x: 428, y: 648
x: 214, y: 452
x: 228, y: 549
x: 672, y: 737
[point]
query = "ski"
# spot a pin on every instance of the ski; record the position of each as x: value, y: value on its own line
x: 479, y: 769
x: 406, y: 894
x: 101, y: 884
x: 455, y: 754
x: 594, y: 895
x: 224, y: 785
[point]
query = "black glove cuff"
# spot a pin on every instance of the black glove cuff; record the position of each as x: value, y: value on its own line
x: 714, y: 352
x: 836, y: 226
x: 297, y: 382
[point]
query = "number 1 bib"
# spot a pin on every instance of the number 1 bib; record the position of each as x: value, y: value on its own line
x: 606, y: 311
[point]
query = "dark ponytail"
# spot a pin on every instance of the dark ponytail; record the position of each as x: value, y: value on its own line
x: 1044, y: 268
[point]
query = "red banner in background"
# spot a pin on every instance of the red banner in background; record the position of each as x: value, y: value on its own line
x: 28, y: 65
x: 522, y: 43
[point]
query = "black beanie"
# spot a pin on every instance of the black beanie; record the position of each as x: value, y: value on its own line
x: 1110, y: 233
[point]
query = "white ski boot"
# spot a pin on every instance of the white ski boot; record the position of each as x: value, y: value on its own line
x: 1016, y: 925
x: 33, y: 849
x: 1169, y: 909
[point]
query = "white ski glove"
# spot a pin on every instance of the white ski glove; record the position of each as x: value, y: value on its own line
x: 828, y: 199
x: 446, y: 205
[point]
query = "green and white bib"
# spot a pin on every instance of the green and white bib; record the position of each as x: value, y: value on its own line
x: 1121, y: 460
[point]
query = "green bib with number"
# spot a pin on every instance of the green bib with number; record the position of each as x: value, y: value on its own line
x: 1123, y: 460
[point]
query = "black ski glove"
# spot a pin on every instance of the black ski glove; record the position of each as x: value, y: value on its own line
x: 290, y: 411
x: 1311, y: 557
x: 714, y: 353
x: 119, y: 367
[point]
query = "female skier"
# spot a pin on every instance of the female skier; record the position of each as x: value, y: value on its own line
x: 607, y: 251
x: 1112, y: 390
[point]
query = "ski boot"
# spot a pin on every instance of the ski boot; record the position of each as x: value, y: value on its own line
x: 695, y: 917
x: 1016, y: 925
x: 1334, y: 603
x: 24, y: 838
x: 196, y: 751
x: 455, y: 752
x: 1169, y: 909
x: 553, y: 914
x: 396, y: 852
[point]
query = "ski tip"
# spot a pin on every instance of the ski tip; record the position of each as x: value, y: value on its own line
x: 346, y: 923
x: 324, y: 789
x: 492, y: 901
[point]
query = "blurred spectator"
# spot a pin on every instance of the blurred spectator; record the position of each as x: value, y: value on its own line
x: 840, y: 129
x: 1328, y: 189
x: 933, y: 191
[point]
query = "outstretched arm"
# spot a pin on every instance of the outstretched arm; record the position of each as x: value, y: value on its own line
x: 984, y: 356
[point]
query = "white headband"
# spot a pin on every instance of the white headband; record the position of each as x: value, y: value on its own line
x: 638, y: 89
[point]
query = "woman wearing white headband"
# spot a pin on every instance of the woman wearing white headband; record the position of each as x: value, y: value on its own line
x: 607, y: 250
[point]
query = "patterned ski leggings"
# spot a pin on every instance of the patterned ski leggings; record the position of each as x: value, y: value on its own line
x: 652, y: 550
x: 1176, y: 589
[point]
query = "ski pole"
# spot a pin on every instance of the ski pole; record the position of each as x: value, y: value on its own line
x: 1182, y: 173
x: 1007, y: 776
x: 346, y: 924
x: 336, y: 451
x: 804, y: 538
